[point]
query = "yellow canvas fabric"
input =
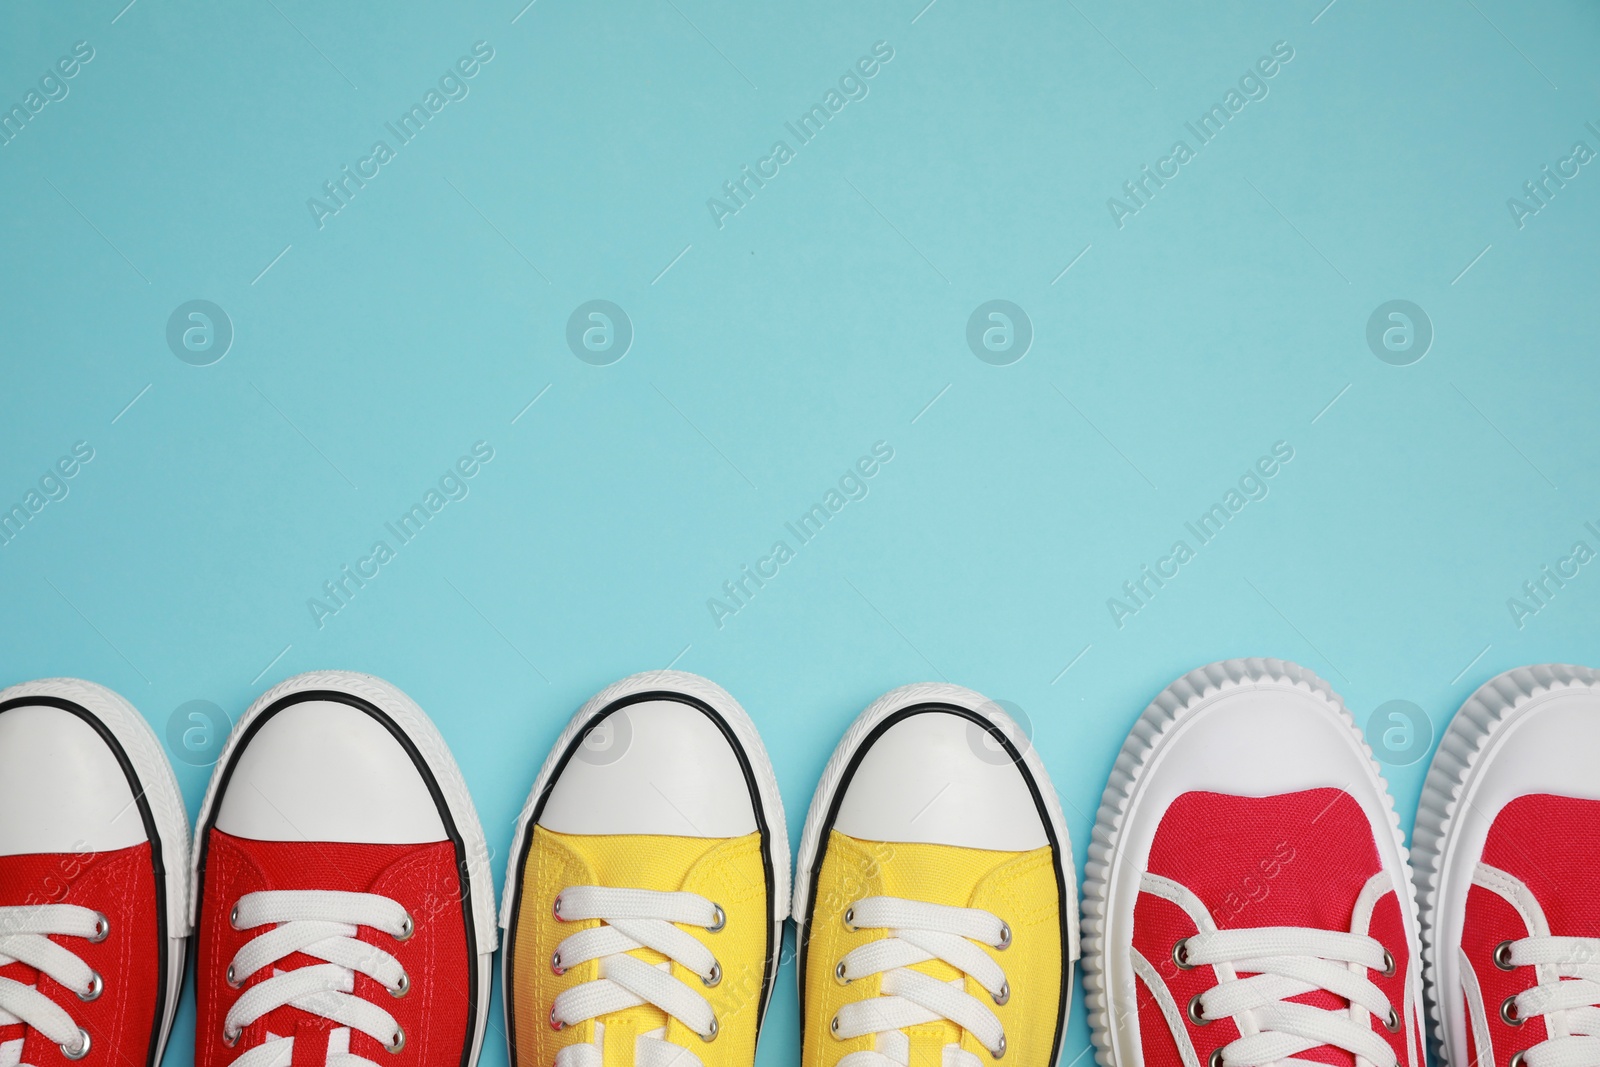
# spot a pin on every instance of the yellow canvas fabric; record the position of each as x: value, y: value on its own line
x: 727, y: 871
x: 1019, y: 887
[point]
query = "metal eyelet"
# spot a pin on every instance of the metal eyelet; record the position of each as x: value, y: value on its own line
x: 407, y: 928
x: 397, y: 1043
x: 233, y: 982
x: 1392, y: 1022
x: 834, y: 1026
x: 555, y: 908
x: 102, y: 928
x: 1004, y: 995
x: 556, y: 1024
x: 555, y: 964
x: 1389, y: 965
x: 1197, y: 1012
x: 719, y: 919
x: 849, y: 918
x: 233, y: 918
x: 711, y: 1034
x: 230, y: 1037
x: 1508, y: 1012
x: 1180, y: 954
x: 1516, y: 1059
x: 97, y: 985
x: 1000, y: 1052
x: 402, y: 987
x: 839, y: 975
x: 83, y: 1046
x: 1215, y: 1059
x: 715, y: 977
x: 1005, y: 941
x: 1502, y: 956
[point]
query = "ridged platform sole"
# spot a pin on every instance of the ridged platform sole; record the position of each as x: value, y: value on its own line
x: 1469, y: 735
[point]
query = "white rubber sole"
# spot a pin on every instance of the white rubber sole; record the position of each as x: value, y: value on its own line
x: 749, y: 738
x: 160, y: 790
x: 1458, y: 768
x: 857, y: 733
x: 1145, y: 745
x: 430, y: 744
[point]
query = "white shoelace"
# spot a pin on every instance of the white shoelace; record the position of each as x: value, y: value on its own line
x: 1568, y: 969
x: 919, y: 933
x: 322, y: 924
x: 25, y: 938
x: 632, y: 919
x: 1284, y: 962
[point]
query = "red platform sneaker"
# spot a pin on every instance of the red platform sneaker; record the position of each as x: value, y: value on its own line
x: 1508, y: 866
x: 345, y: 914
x: 94, y: 907
x: 1248, y: 900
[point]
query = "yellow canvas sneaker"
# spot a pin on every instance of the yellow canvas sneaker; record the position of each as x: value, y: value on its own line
x: 935, y: 897
x: 647, y: 885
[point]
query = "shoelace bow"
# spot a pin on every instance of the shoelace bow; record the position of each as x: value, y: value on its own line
x: 1284, y: 962
x: 322, y: 924
x: 1568, y: 970
x: 920, y: 932
x: 633, y: 919
x: 25, y: 934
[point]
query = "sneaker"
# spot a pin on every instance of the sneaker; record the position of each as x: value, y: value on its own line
x: 1247, y: 898
x: 646, y: 885
x: 1508, y: 862
x: 94, y: 904
x: 345, y: 914
x: 934, y: 893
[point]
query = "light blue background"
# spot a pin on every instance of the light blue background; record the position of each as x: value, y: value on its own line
x: 1227, y: 315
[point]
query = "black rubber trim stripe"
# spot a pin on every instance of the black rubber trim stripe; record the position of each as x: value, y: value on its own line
x: 774, y: 943
x: 151, y: 830
x: 434, y: 791
x: 1038, y: 802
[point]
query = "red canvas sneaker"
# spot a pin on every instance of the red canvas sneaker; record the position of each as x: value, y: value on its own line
x: 1248, y: 900
x: 1508, y: 867
x: 344, y: 911
x: 94, y: 854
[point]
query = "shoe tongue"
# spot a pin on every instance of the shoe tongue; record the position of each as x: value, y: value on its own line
x: 1549, y: 843
x: 338, y: 866
x: 635, y: 861
x: 936, y: 874
x: 381, y: 869
x: 1295, y: 859
x: 661, y: 863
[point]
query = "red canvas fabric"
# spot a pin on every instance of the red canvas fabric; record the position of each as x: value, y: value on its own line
x: 1550, y: 844
x: 424, y: 879
x: 121, y: 885
x: 1296, y: 859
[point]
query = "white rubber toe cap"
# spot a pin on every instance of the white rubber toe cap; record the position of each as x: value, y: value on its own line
x: 936, y: 777
x: 62, y: 788
x: 654, y: 767
x: 322, y: 770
